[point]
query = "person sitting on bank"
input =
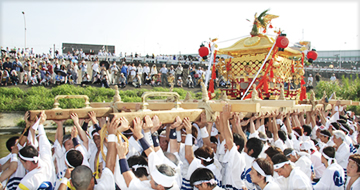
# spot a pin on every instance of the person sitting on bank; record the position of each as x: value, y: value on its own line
x: 46, y: 80
x: 59, y: 79
x: 105, y: 81
x: 85, y: 79
x: 190, y: 82
x: 136, y: 81
x: 180, y: 82
x: 122, y: 81
x: 147, y: 80
x: 97, y: 78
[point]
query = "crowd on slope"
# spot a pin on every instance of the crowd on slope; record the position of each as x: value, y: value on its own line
x: 48, y: 72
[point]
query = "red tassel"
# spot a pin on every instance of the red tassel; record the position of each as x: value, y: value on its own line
x: 270, y: 26
x: 264, y: 83
x: 303, y: 93
x: 264, y: 31
x: 228, y: 65
x: 292, y: 69
x: 271, y: 73
x: 209, y: 94
x: 266, y: 87
x: 302, y: 81
x: 260, y: 95
x: 211, y: 84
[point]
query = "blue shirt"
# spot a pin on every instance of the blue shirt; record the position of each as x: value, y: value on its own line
x: 59, y: 78
x: 124, y: 69
x: 18, y: 64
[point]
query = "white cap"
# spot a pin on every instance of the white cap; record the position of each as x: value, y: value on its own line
x: 339, y: 133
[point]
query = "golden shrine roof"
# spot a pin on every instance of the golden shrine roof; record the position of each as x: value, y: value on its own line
x: 255, y: 45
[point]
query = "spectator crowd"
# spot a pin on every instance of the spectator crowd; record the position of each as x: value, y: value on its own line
x: 47, y: 71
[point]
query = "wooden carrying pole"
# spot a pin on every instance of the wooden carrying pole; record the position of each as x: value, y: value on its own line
x: 167, y: 111
x: 164, y: 116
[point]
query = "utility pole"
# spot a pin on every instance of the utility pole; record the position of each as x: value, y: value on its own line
x: 25, y: 29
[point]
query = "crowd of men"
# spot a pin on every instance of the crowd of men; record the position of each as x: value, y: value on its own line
x: 278, y: 150
x: 48, y: 72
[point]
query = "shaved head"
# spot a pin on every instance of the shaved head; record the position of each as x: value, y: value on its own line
x: 81, y: 177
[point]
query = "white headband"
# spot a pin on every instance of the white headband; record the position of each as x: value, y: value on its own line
x: 137, y: 166
x: 162, y: 135
x: 328, y: 158
x: 211, y: 181
x: 342, y: 127
x: 66, y: 161
x: 324, y: 134
x: 159, y: 178
x: 96, y: 133
x: 256, y: 166
x: 208, y: 159
x: 35, y: 158
x: 262, y: 139
x: 293, y: 152
x: 279, y: 165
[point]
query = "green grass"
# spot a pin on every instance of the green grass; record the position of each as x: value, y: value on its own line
x: 40, y: 98
x: 348, y: 89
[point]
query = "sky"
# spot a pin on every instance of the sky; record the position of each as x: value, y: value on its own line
x: 173, y: 27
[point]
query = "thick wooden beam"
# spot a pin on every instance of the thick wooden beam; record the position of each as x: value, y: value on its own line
x: 216, y: 106
x: 164, y: 116
x: 300, y: 107
x: 342, y: 102
x: 355, y: 103
x: 270, y: 103
x: 59, y: 114
x: 238, y: 105
x: 100, y: 104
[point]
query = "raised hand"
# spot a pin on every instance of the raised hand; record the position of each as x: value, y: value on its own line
x: 42, y: 118
x: 157, y: 124
x: 124, y: 124
x: 280, y: 115
x: 226, y: 113
x: 113, y: 126
x: 136, y: 129
x: 218, y: 124
x: 148, y: 124
x: 122, y: 149
x: 74, y: 132
x: 187, y: 125
x: 92, y: 116
x: 68, y: 172
x: 75, y: 118
x: 27, y: 118
x: 177, y: 123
